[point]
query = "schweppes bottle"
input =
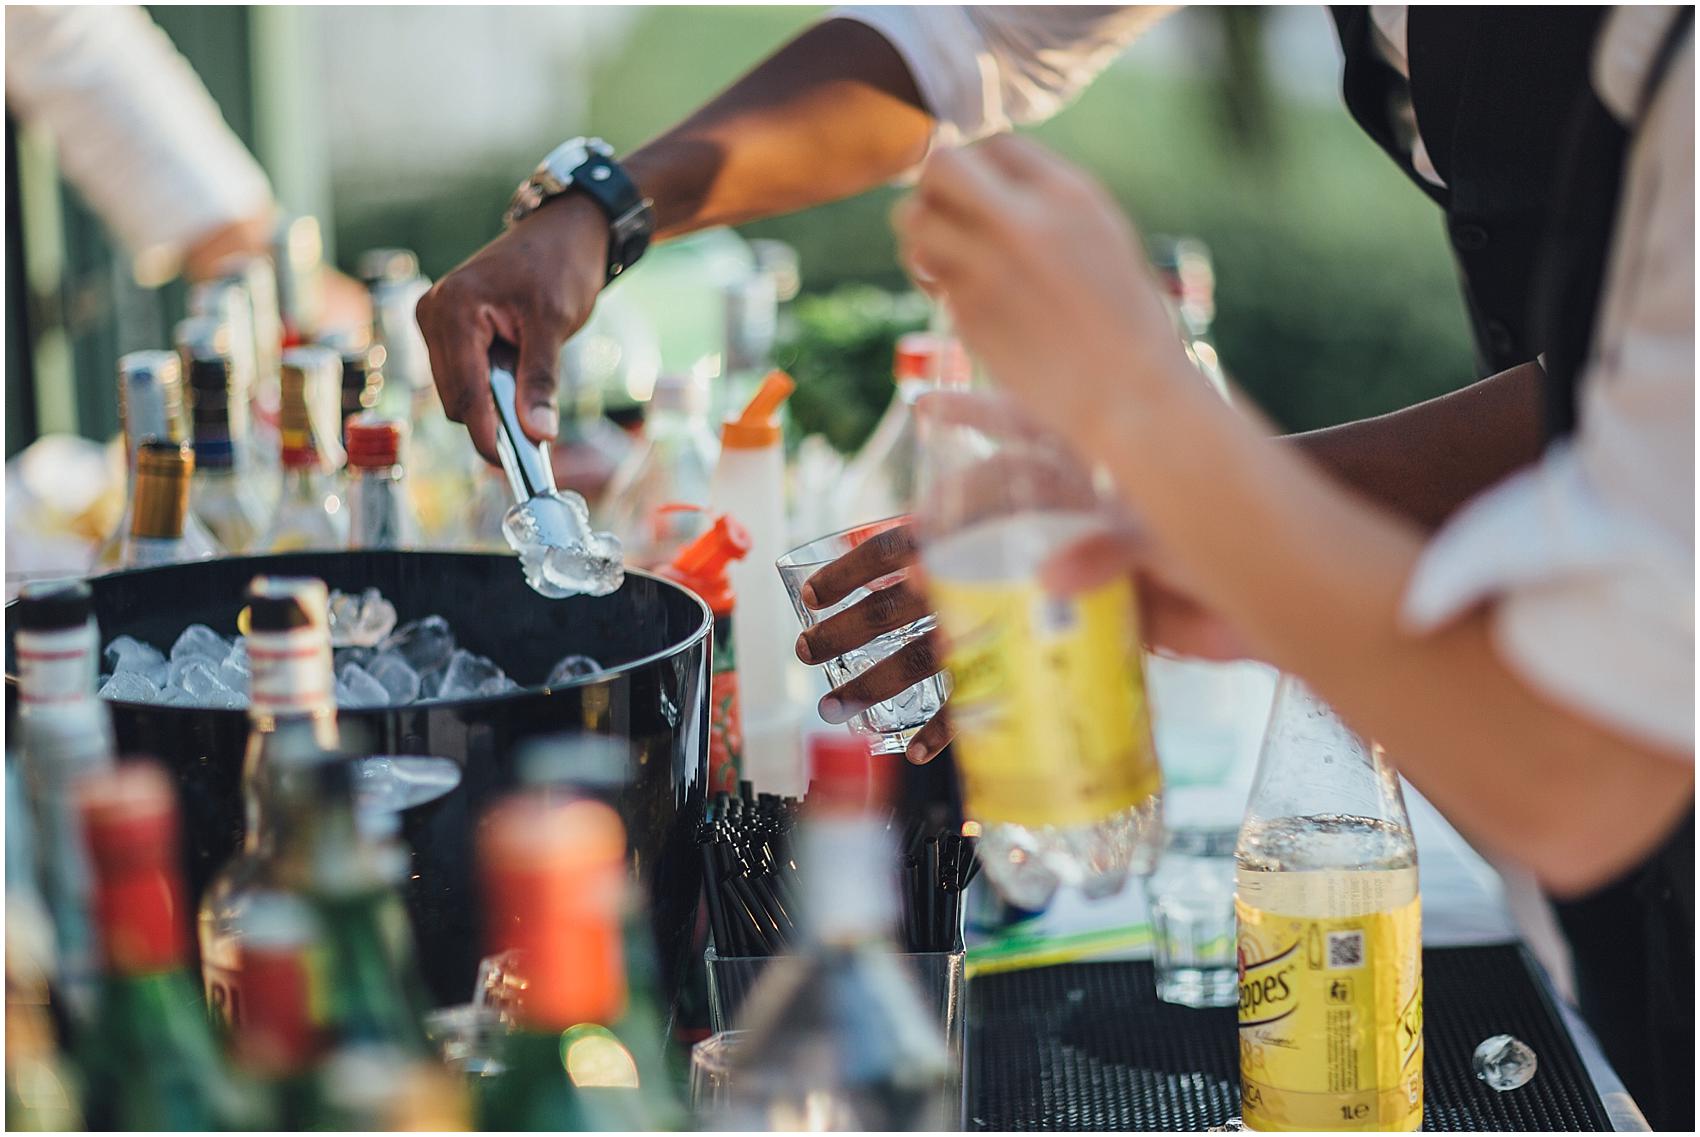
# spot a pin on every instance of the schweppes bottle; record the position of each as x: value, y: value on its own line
x: 1330, y: 945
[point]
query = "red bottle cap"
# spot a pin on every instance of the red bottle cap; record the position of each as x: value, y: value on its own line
x: 129, y: 816
x: 554, y: 877
x: 845, y: 776
x: 374, y: 442
x: 701, y: 565
x: 923, y: 355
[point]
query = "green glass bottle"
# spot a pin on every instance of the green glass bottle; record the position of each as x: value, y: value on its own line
x: 151, y: 1061
x: 585, y: 1052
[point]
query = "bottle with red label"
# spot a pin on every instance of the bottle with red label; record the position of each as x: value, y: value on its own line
x: 701, y: 566
x: 151, y: 1062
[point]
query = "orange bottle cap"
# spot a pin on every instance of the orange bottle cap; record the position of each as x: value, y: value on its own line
x: 758, y: 425
x: 924, y: 355
x: 701, y: 565
x: 554, y: 874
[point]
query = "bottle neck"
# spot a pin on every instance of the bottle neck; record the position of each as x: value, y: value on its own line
x: 161, y: 504
x: 56, y: 667
x: 848, y: 862
x: 378, y: 508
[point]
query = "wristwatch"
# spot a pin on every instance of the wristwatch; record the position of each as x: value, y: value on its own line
x: 587, y: 164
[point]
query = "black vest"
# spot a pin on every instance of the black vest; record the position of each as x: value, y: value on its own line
x: 1533, y: 165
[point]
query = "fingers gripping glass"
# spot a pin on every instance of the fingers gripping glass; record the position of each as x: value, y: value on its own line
x: 893, y: 721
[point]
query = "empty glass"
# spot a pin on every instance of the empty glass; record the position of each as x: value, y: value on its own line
x: 711, y: 1077
x: 1191, y: 898
x: 896, y: 720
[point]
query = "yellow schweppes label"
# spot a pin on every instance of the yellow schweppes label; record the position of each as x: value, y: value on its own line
x: 1048, y: 698
x: 1331, y: 1034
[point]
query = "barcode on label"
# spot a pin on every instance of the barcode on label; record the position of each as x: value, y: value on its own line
x: 1345, y: 949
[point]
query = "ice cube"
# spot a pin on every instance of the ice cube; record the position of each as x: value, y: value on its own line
x: 425, y: 645
x: 1504, y: 1062
x: 202, y: 687
x: 127, y: 653
x: 559, y: 552
x: 572, y: 667
x: 233, y: 672
x: 130, y: 687
x: 198, y: 640
x: 356, y: 688
x: 400, y: 680
x: 466, y: 673
x: 343, y: 656
x: 360, y: 621
x: 497, y: 685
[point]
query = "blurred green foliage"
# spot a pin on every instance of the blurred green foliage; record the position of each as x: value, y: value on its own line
x: 838, y: 347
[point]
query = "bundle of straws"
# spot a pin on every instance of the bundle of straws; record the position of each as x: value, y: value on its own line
x: 751, y: 883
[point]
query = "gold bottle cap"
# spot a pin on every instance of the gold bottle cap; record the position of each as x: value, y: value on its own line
x: 163, y: 471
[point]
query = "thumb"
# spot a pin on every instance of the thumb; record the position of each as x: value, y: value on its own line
x: 539, y: 410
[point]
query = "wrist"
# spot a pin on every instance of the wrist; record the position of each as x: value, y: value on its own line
x: 576, y: 230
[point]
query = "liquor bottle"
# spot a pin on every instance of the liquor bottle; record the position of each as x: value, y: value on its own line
x: 65, y: 736
x: 1054, y: 736
x: 702, y: 566
x: 223, y: 494
x: 268, y: 1001
x: 151, y: 1060
x: 1330, y: 940
x: 880, y: 480
x: 310, y: 513
x: 160, y: 529
x: 292, y: 729
x: 585, y: 1049
x: 1188, y: 279
x: 298, y: 252
x: 259, y: 286
x: 671, y: 466
x: 151, y: 405
x: 380, y: 513
x: 362, y: 378
x: 839, y: 1036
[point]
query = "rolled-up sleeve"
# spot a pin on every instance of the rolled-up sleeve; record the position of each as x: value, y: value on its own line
x: 1588, y: 557
x: 137, y: 133
x: 984, y: 69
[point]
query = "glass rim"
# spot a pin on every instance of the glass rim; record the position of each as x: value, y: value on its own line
x: 803, y: 557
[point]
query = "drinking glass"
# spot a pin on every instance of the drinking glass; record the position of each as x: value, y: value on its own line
x: 711, y: 1076
x: 1191, y: 898
x: 894, y: 721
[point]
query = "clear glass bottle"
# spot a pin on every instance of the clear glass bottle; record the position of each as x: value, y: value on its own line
x: 380, y: 513
x: 1188, y: 278
x: 880, y: 481
x: 1330, y: 941
x: 672, y: 466
x: 362, y: 377
x: 838, y: 1036
x: 586, y: 1050
x: 223, y: 495
x: 151, y: 405
x: 298, y: 255
x: 65, y: 736
x: 258, y: 281
x: 151, y: 1061
x: 310, y: 512
x: 292, y: 729
x: 1054, y: 743
x: 160, y: 529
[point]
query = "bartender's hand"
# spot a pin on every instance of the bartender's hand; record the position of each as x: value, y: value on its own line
x: 534, y: 286
x: 1047, y: 284
x: 1170, y: 620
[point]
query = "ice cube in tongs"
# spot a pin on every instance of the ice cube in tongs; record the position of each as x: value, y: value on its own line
x: 549, y: 528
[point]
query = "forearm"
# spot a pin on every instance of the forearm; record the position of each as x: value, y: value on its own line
x: 832, y: 113
x: 1313, y: 574
x: 1426, y: 461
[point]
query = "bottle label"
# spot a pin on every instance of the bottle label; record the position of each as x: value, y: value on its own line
x: 1048, y: 701
x: 1331, y: 1018
x: 290, y: 672
x: 725, y: 725
x: 57, y: 666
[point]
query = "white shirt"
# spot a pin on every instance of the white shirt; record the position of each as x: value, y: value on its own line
x: 1587, y: 556
x: 137, y: 133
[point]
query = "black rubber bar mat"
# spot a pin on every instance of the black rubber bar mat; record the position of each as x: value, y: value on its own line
x: 1088, y: 1046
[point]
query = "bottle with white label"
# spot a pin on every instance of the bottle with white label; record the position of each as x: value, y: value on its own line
x: 292, y: 730
x: 1330, y: 943
x: 1053, y: 732
x: 66, y: 735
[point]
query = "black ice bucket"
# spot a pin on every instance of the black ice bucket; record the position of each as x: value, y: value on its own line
x: 650, y: 635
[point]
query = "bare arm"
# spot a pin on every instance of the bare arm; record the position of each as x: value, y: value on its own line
x: 1427, y: 460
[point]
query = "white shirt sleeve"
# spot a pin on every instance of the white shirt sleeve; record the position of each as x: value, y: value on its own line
x: 983, y: 69
x: 137, y: 133
x: 1588, y: 556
